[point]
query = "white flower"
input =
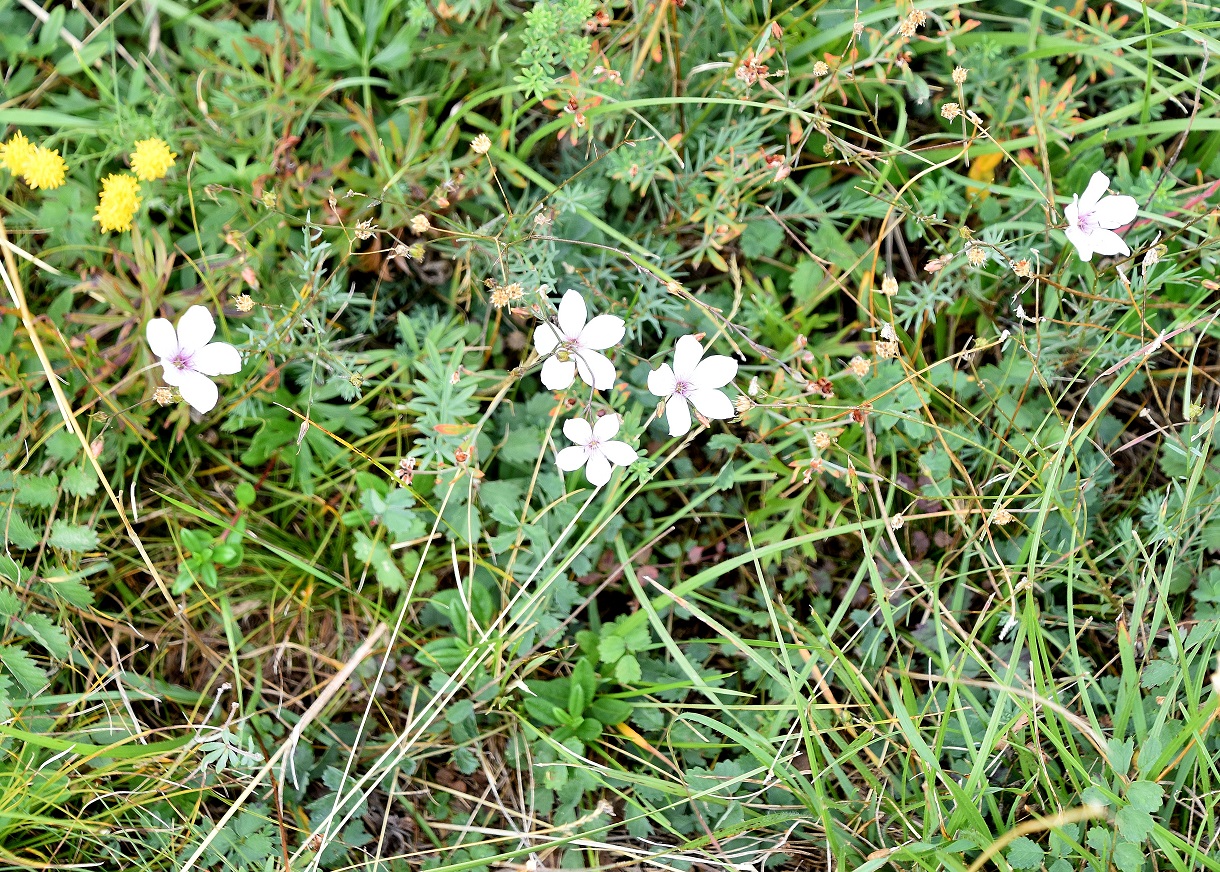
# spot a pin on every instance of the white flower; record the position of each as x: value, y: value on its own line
x: 575, y: 347
x: 189, y: 357
x: 595, y: 449
x: 1092, y: 219
x: 693, y: 381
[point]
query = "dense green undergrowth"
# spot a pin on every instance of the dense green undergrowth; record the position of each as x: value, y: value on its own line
x: 942, y: 594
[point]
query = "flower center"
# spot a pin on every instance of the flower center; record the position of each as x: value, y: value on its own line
x: 1087, y: 222
x: 568, y: 350
x: 682, y: 389
x: 181, y: 361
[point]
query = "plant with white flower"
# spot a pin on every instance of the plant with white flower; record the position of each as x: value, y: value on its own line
x: 574, y: 345
x: 189, y: 357
x: 1092, y: 219
x: 693, y: 381
x: 596, y: 449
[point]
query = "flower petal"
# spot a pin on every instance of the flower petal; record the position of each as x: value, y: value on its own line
x: 687, y: 352
x: 1081, y: 240
x: 604, y: 331
x: 619, y: 453
x: 162, y: 338
x: 170, y: 374
x: 598, y: 469
x: 572, y: 457
x: 1115, y: 211
x: 578, y: 430
x: 546, y: 339
x: 216, y: 358
x: 677, y: 413
x: 661, y: 381
x: 712, y: 403
x: 1108, y: 242
x: 1072, y: 212
x: 572, y: 314
x: 595, y: 369
x: 196, y: 328
x: 1098, y: 185
x: 606, y: 427
x: 558, y: 374
x: 198, y: 390
x: 714, y: 372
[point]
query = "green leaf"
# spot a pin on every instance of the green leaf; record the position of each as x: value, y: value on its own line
x: 378, y: 557
x: 80, y: 481
x: 723, y: 442
x: 22, y: 667
x: 627, y: 669
x: 1098, y: 839
x: 244, y: 495
x: 1157, y: 672
x: 459, y: 711
x: 47, y: 633
x: 1146, y: 796
x: 762, y: 238
x: 610, y: 648
x: 1133, y: 824
x: 37, y: 490
x: 72, y: 537
x: 1128, y: 857
x: 1025, y: 853
x: 610, y: 711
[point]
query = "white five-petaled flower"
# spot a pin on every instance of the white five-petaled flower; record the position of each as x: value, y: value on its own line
x: 189, y: 357
x: 596, y: 449
x: 693, y: 381
x: 1092, y: 219
x: 575, y: 347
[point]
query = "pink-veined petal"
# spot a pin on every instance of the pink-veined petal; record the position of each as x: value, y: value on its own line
x: 1108, y: 242
x: 595, y: 369
x: 198, y: 390
x: 170, y: 374
x: 196, y: 328
x: 558, y: 374
x: 1098, y: 185
x: 598, y: 469
x: 619, y: 453
x: 1115, y: 211
x: 1081, y: 240
x: 712, y: 403
x: 578, y: 430
x: 572, y: 457
x: 687, y: 352
x: 162, y: 338
x: 216, y: 358
x: 606, y: 427
x: 677, y: 413
x: 661, y: 381
x: 572, y: 315
x: 714, y: 372
x: 604, y: 331
x: 546, y: 339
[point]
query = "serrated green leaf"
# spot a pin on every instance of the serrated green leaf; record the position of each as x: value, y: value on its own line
x: 46, y: 633
x: 17, y: 532
x: 80, y: 481
x: 1128, y: 857
x: 1156, y: 673
x: 378, y: 558
x: 1146, y: 796
x: 40, y: 491
x: 1133, y: 824
x: 72, y: 591
x: 627, y: 669
x: 610, y: 648
x: 21, y: 666
x: 10, y: 604
x: 63, y: 445
x: 72, y: 537
x: 1025, y: 853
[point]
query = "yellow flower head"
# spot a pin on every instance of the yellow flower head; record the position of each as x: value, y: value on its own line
x: 118, y: 202
x: 152, y: 159
x: 15, y: 153
x: 44, y: 168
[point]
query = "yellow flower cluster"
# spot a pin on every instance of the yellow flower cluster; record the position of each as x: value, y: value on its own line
x: 39, y: 167
x: 118, y: 202
x: 152, y: 159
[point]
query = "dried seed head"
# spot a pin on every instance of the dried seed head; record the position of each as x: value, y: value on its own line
x: 420, y: 225
x: 481, y: 144
x: 243, y: 303
x: 365, y: 229
x: 886, y: 350
x: 822, y: 440
x: 896, y: 522
x: 950, y: 111
x: 889, y: 286
x: 163, y: 396
x: 820, y: 69
x: 959, y: 75
x: 742, y: 404
x: 1023, y: 268
x: 1001, y: 517
x: 977, y: 255
x: 859, y: 366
